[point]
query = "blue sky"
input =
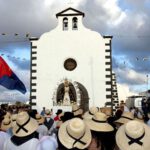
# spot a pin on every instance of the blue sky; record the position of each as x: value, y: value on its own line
x: 128, y: 21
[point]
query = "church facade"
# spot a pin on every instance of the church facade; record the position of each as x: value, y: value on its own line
x: 75, y: 54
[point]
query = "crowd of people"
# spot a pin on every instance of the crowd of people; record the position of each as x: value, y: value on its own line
x: 23, y: 128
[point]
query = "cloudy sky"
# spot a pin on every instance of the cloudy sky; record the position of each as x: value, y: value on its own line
x: 128, y: 21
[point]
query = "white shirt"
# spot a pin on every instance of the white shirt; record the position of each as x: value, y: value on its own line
x: 48, y: 143
x: 3, y: 137
x: 29, y: 145
x: 42, y: 130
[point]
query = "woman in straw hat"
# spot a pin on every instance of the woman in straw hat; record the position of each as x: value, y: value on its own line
x: 125, y: 118
x: 89, y: 114
x: 24, y: 134
x: 6, y: 124
x: 42, y: 129
x: 77, y: 111
x: 74, y: 134
x: 133, y: 135
x: 102, y: 132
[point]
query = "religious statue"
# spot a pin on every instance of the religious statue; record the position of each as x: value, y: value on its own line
x: 66, y: 99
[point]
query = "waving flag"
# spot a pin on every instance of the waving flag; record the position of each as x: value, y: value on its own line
x: 8, y: 79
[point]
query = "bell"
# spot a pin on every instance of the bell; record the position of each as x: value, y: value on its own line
x: 75, y: 25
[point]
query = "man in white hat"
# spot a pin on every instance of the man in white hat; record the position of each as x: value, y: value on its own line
x: 42, y: 129
x: 24, y: 134
x: 49, y: 122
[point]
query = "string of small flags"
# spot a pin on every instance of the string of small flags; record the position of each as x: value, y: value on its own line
x: 13, y: 57
x: 139, y: 59
x: 27, y: 35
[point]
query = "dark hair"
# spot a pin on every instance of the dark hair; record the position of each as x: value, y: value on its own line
x: 102, y: 139
x: 67, y: 116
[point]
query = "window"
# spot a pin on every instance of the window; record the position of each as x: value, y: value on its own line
x: 65, y: 23
x: 74, y: 23
x: 70, y: 64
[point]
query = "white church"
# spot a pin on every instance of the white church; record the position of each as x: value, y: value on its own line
x: 71, y: 64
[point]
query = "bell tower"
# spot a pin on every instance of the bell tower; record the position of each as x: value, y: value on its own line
x: 70, y: 19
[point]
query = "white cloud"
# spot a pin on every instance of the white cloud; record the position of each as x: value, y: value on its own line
x: 130, y: 76
x: 124, y: 91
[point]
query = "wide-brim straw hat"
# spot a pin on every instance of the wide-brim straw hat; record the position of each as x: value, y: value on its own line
x: 99, y: 123
x: 74, y: 133
x: 25, y: 125
x: 47, y: 112
x: 6, y: 124
x: 133, y: 136
x: 77, y: 110
x: 89, y: 114
x: 40, y: 119
x: 7, y: 115
x: 125, y: 118
x: 13, y: 119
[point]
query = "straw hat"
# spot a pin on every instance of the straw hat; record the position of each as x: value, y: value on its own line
x: 77, y: 110
x: 13, y: 119
x: 25, y: 125
x: 99, y: 123
x: 126, y: 117
x: 39, y: 118
x: 47, y: 112
x: 133, y: 136
x: 6, y: 124
x: 89, y: 114
x: 74, y: 133
x: 7, y: 115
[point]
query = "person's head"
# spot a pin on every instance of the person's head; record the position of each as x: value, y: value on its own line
x: 99, y: 123
x: 74, y: 133
x: 118, y: 113
x: 77, y: 111
x: 25, y: 125
x: 6, y: 124
x: 133, y: 135
x: 125, y: 117
x: 40, y: 119
x: 67, y: 116
x: 89, y: 114
x: 59, y: 111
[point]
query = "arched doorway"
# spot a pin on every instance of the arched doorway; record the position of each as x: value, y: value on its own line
x: 84, y: 97
x: 60, y: 93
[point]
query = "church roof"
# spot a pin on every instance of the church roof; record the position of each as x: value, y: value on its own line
x: 70, y: 12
